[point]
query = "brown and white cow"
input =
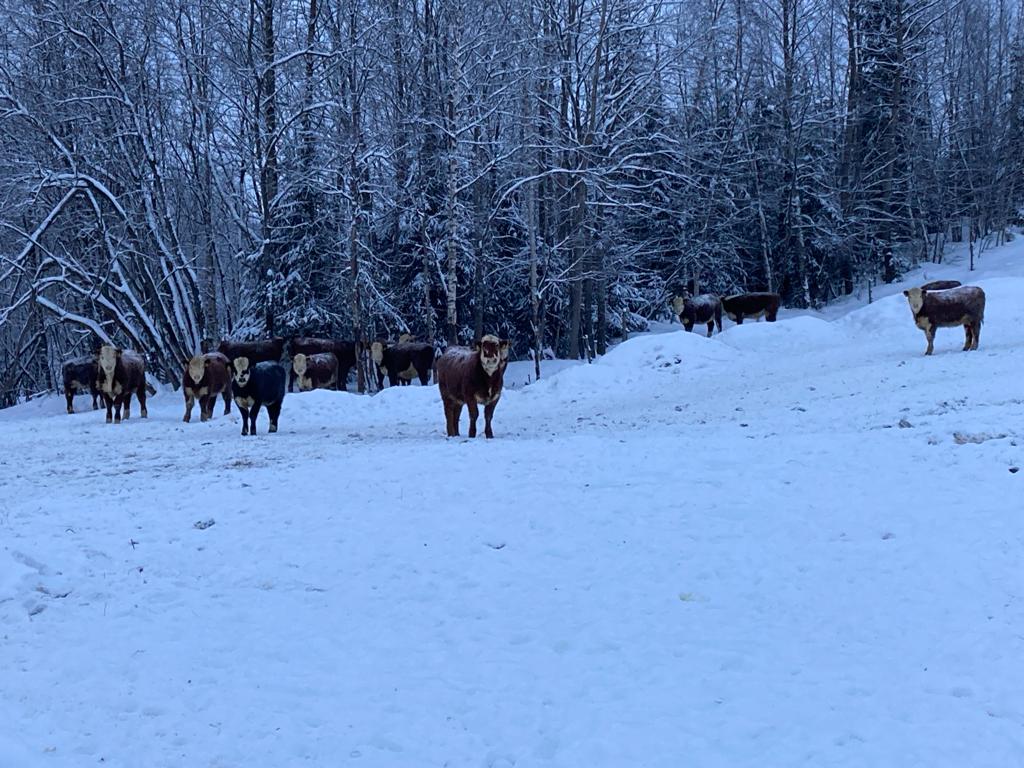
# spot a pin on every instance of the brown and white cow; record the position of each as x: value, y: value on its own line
x: 947, y: 309
x: 121, y: 373
x: 402, y: 362
x: 471, y: 377
x: 705, y: 309
x: 319, y: 371
x: 753, y: 305
x: 205, y: 377
x: 344, y: 351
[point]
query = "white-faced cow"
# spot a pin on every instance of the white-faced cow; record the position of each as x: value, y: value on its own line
x: 705, y: 309
x: 255, y: 386
x: 947, y: 309
x: 402, y: 362
x: 318, y: 371
x: 121, y: 373
x: 344, y: 351
x: 472, y: 377
x: 205, y: 377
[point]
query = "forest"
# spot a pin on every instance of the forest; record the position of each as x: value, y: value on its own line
x: 552, y: 171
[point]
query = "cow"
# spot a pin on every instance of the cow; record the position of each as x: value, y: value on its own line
x: 254, y: 386
x: 703, y: 309
x: 402, y: 362
x: 205, y: 377
x: 317, y: 371
x: 344, y: 351
x: 940, y: 285
x: 270, y: 350
x: 472, y: 377
x: 947, y: 309
x: 79, y: 377
x: 743, y: 305
x: 121, y: 373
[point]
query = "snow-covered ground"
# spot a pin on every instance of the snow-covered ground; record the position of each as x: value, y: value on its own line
x: 792, y: 544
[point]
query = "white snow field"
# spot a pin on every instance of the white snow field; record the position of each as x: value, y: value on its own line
x: 793, y: 544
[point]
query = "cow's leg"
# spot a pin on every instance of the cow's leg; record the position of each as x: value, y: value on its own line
x: 127, y: 398
x: 227, y: 400
x: 141, y: 394
x: 447, y: 417
x: 109, y: 402
x: 205, y: 408
x: 711, y: 327
x: 253, y: 413
x: 71, y: 399
x: 739, y: 319
x: 95, y: 396
x: 474, y: 412
x: 274, y: 412
x: 930, y: 335
x: 688, y: 325
x: 291, y: 379
x: 967, y: 336
x: 190, y: 402
x: 488, y: 414
x: 975, y: 333
x: 118, y: 402
x: 245, y: 419
x: 424, y: 377
x: 455, y: 415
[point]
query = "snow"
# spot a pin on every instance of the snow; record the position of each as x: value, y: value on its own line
x: 791, y: 544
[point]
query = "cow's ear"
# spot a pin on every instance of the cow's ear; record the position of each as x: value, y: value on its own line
x: 476, y: 346
x: 206, y: 362
x: 503, y: 346
x: 119, y: 351
x: 906, y: 293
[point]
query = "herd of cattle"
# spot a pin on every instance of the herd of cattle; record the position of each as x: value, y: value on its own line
x: 251, y: 372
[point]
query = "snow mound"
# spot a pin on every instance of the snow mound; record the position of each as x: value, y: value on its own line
x: 639, y: 362
x: 654, y: 351
x: 792, y: 335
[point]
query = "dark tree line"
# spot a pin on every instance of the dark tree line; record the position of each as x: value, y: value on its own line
x: 550, y: 170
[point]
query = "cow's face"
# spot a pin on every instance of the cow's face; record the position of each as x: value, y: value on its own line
x: 299, y: 364
x: 197, y: 368
x: 241, y: 370
x: 493, y: 353
x: 678, y: 303
x: 915, y: 297
x: 377, y: 352
x: 107, y: 361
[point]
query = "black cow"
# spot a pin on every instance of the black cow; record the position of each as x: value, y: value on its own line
x: 705, y: 309
x: 79, y: 378
x: 254, y: 386
x: 402, y: 362
x: 753, y: 305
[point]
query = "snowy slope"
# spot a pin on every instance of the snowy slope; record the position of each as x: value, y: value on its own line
x: 722, y: 552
